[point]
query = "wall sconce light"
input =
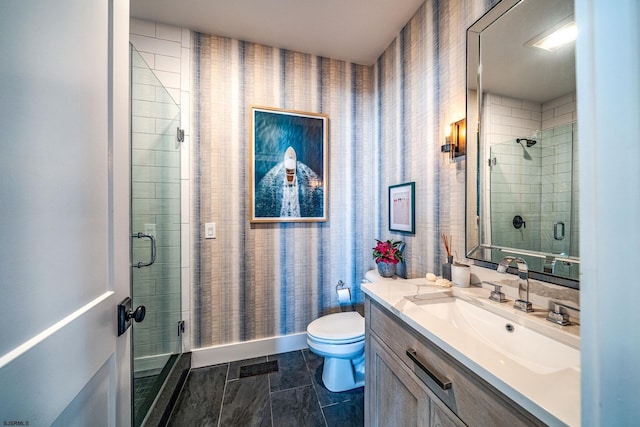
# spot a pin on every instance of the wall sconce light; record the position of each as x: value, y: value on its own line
x: 455, y: 140
x: 446, y: 148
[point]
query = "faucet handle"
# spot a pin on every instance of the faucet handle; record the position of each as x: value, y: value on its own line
x: 558, y: 314
x: 496, y: 295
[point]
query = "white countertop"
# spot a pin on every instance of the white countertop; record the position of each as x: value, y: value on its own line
x: 554, y: 398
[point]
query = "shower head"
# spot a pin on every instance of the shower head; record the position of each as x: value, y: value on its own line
x: 529, y: 142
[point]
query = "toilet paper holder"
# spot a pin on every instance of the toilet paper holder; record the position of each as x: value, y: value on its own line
x: 343, y: 292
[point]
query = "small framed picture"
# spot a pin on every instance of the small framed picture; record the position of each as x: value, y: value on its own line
x: 402, y: 214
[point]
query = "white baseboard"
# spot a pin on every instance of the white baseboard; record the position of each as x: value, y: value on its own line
x: 246, y: 350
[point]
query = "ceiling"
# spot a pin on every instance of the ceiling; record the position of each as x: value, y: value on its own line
x: 511, y: 68
x: 355, y: 31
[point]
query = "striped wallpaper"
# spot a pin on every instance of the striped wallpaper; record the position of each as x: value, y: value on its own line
x: 385, y: 127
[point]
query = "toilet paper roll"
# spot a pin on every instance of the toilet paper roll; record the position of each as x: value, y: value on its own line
x: 344, y: 295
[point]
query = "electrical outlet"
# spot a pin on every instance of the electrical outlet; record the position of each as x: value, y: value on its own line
x: 210, y: 230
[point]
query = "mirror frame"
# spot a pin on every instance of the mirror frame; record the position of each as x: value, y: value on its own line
x: 473, y: 181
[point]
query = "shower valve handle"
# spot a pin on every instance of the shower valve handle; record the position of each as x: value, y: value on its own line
x: 518, y: 222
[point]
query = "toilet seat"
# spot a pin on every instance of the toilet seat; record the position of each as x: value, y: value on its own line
x: 335, y: 342
x: 337, y: 328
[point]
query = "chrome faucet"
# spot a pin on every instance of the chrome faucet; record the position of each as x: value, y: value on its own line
x: 523, y: 280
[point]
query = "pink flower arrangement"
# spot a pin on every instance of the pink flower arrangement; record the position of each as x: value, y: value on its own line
x: 387, y: 252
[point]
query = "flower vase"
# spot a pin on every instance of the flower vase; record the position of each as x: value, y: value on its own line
x: 386, y: 269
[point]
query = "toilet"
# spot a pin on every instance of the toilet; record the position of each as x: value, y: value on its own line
x: 339, y: 338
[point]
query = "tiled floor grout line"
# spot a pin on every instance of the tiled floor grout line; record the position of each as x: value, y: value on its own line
x: 289, y: 389
x: 223, y: 393
x: 333, y: 404
x: 175, y: 405
x: 269, y: 391
x: 314, y: 388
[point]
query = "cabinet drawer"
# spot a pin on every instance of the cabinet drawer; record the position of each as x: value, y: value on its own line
x: 399, y: 398
x: 472, y: 399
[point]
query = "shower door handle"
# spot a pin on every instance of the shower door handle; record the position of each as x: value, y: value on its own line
x: 153, y: 250
x: 558, y: 230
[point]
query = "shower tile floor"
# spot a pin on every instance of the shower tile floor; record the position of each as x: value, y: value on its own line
x: 144, y: 385
x: 292, y: 396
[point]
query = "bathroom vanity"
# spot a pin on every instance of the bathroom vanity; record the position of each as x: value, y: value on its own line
x: 446, y: 357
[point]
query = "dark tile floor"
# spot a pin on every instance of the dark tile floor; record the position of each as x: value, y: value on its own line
x: 145, y: 385
x: 292, y: 396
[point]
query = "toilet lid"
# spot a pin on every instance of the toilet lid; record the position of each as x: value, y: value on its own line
x: 338, y: 326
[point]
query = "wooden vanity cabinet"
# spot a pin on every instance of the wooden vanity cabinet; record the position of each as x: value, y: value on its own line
x: 395, y: 397
x: 399, y: 392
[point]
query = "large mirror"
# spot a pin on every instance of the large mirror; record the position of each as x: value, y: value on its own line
x: 522, y: 187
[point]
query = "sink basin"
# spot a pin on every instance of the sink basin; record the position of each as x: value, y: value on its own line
x: 528, y: 347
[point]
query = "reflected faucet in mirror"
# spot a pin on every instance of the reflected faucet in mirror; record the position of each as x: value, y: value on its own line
x: 523, y: 280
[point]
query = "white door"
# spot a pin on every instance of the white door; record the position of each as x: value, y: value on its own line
x: 64, y: 202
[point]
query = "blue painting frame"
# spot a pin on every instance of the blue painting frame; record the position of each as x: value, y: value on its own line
x: 289, y: 166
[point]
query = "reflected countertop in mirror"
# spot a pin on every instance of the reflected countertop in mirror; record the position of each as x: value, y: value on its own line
x: 522, y: 186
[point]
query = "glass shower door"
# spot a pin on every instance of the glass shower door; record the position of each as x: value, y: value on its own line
x: 155, y: 226
x: 533, y: 198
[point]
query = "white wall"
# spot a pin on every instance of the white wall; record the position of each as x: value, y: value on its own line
x: 608, y: 76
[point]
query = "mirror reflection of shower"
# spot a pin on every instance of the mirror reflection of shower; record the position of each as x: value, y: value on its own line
x: 529, y: 142
x: 533, y: 177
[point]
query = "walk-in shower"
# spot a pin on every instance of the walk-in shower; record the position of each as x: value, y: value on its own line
x: 155, y: 230
x: 533, y: 197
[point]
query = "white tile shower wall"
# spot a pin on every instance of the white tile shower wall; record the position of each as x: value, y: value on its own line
x: 167, y: 51
x: 559, y: 111
x: 552, y: 121
x: 559, y: 118
x: 556, y: 195
x: 515, y: 190
x: 508, y: 119
x: 155, y: 205
x: 575, y: 217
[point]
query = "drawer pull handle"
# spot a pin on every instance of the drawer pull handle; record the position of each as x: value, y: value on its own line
x: 443, y: 382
